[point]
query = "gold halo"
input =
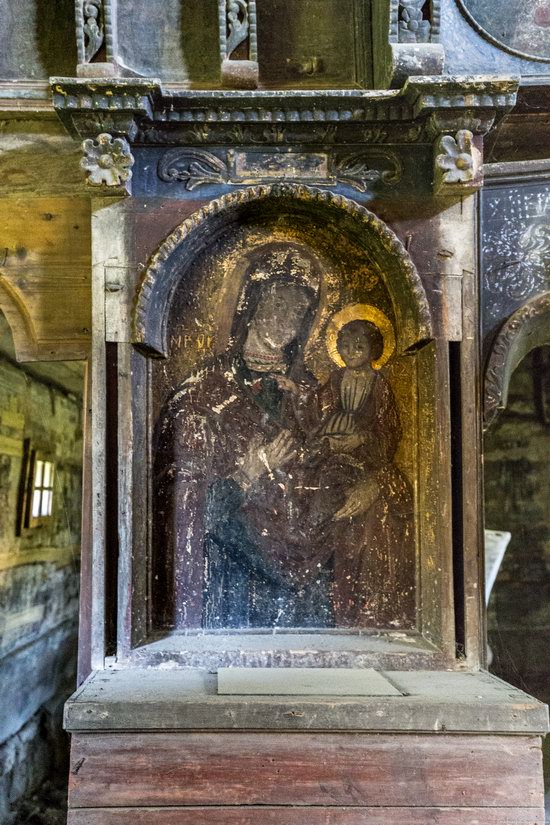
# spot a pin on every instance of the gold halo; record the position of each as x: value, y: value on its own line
x: 361, y: 312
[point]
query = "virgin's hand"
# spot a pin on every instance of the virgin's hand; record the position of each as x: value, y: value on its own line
x: 251, y: 465
x: 280, y: 451
x: 262, y: 458
x: 358, y: 500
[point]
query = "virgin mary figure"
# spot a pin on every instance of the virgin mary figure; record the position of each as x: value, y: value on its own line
x: 231, y: 547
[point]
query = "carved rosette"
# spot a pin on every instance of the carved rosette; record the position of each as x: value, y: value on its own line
x: 457, y: 162
x: 108, y: 161
x: 89, y: 16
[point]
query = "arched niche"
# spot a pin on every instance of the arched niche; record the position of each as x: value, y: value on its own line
x: 311, y: 208
x: 525, y: 330
x: 197, y: 280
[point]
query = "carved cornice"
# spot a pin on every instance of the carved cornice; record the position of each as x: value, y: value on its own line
x: 472, y: 93
x: 526, y: 329
x: 135, y: 107
x: 87, y: 107
x: 166, y: 269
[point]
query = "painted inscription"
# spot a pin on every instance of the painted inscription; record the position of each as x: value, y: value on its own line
x: 281, y: 488
x: 249, y: 166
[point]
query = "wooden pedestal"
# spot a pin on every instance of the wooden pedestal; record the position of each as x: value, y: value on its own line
x: 165, y: 749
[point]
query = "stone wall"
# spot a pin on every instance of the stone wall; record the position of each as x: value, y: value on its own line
x: 38, y: 583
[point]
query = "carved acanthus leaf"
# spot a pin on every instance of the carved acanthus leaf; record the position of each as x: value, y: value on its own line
x: 192, y: 167
x: 359, y: 169
x: 237, y: 24
x: 89, y: 28
x: 107, y: 160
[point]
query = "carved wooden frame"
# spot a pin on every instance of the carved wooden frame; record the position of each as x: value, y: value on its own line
x: 146, y: 340
x: 155, y: 291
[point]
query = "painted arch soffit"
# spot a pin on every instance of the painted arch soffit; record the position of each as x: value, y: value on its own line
x: 169, y: 264
x: 526, y: 329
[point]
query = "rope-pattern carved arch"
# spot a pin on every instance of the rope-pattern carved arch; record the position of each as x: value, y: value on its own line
x: 526, y: 329
x: 176, y: 253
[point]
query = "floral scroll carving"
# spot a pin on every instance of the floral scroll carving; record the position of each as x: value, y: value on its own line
x: 238, y: 26
x: 89, y: 16
x: 359, y: 170
x: 413, y: 27
x: 107, y: 160
x: 193, y: 168
x: 241, y: 24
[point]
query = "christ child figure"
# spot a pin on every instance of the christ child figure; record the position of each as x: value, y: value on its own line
x: 365, y: 499
x: 348, y: 409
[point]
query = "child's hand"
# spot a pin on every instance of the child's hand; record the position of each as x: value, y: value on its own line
x: 344, y: 443
x: 287, y: 384
x: 359, y: 499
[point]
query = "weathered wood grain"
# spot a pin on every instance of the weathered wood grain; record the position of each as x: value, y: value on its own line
x: 84, y: 665
x: 314, y: 816
x: 472, y: 496
x: 434, y: 498
x: 45, y: 276
x: 186, y: 700
x: 117, y: 770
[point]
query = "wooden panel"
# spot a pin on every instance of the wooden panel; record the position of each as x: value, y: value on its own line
x: 185, y: 699
x: 45, y: 276
x: 314, y: 816
x: 37, y: 39
x: 84, y: 664
x: 304, y: 769
x: 171, y: 40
